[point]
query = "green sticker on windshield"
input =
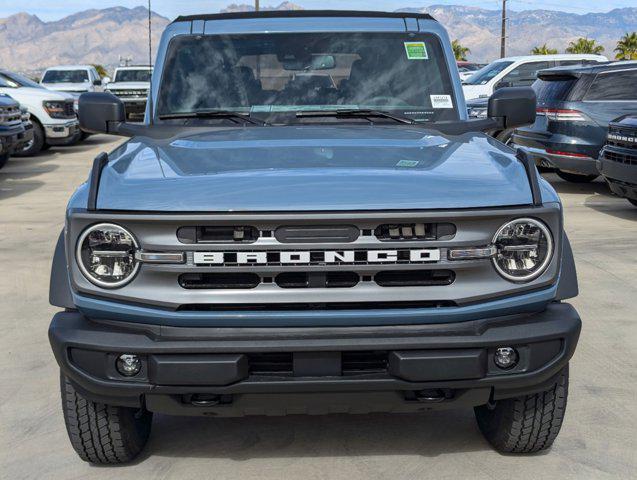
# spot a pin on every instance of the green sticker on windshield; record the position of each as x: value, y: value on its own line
x: 416, y: 51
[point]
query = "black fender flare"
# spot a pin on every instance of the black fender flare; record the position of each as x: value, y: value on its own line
x: 567, y: 286
x: 60, y: 284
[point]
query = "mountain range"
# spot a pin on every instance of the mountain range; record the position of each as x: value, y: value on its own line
x: 102, y: 36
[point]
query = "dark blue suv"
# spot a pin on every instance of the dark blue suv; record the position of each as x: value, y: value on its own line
x: 574, y: 108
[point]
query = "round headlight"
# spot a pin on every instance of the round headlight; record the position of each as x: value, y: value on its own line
x: 524, y: 249
x: 106, y: 255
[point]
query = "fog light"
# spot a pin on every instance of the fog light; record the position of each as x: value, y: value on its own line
x: 505, y: 357
x: 128, y: 365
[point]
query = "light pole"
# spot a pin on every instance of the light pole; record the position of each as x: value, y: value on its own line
x: 503, y: 33
x: 256, y: 5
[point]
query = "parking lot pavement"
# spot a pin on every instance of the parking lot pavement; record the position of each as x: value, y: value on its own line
x: 597, y: 440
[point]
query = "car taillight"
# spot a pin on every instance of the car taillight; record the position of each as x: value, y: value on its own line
x: 561, y: 115
x: 567, y: 154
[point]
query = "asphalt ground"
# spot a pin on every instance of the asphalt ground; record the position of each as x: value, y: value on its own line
x: 597, y: 440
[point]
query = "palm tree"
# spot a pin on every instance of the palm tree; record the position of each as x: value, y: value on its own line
x: 459, y: 51
x: 543, y: 50
x: 101, y: 71
x: 584, y: 45
x: 627, y: 47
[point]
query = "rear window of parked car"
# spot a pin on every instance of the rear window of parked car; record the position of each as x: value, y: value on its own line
x: 553, y: 91
x: 618, y: 85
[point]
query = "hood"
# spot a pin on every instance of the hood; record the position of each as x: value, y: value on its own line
x: 476, y: 91
x: 68, y: 87
x: 312, y: 168
x: 30, y: 96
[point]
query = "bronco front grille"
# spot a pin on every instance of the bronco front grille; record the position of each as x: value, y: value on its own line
x: 621, y: 157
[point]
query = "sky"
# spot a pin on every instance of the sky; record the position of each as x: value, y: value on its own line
x: 48, y: 10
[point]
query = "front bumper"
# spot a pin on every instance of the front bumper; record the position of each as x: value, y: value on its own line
x: 239, y: 371
x: 580, y: 165
x: 11, y: 139
x: 61, y: 133
x: 134, y: 105
x: 621, y: 176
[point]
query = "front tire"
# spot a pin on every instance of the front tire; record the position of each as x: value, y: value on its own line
x: 100, y: 433
x: 575, y: 177
x: 4, y: 158
x: 36, y: 145
x: 525, y: 424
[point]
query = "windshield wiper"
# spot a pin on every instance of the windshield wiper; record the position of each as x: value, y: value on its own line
x: 229, y: 114
x: 355, y: 113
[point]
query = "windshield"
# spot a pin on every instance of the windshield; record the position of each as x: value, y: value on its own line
x: 482, y: 76
x: 65, y: 76
x: 289, y: 72
x: 15, y: 80
x: 132, y: 76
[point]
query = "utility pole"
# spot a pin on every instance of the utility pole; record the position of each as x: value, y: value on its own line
x: 256, y: 5
x: 503, y: 33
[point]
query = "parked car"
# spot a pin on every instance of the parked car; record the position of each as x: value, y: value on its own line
x: 293, y: 235
x: 618, y: 160
x: 52, y: 113
x: 11, y: 128
x: 131, y: 85
x: 466, y: 69
x: 518, y: 72
x: 575, y: 106
x: 74, y: 79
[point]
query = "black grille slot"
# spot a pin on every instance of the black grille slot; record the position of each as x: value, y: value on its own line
x: 363, y: 362
x: 414, y: 278
x: 392, y: 232
x: 317, y: 234
x: 218, y: 234
x: 317, y: 279
x: 270, y: 363
x: 69, y: 111
x: 219, y: 280
x: 278, y: 307
x: 621, y: 157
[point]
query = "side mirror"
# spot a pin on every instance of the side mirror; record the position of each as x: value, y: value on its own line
x: 97, y: 82
x: 101, y: 112
x: 512, y: 107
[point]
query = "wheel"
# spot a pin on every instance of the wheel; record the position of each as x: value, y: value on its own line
x: 525, y: 424
x: 103, y: 434
x: 575, y: 177
x: 36, y: 145
x: 634, y: 202
x: 4, y: 159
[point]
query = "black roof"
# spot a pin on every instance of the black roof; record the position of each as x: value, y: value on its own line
x: 575, y: 71
x: 302, y: 13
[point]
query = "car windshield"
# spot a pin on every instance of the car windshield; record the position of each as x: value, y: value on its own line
x: 132, y: 76
x: 482, y: 76
x: 267, y: 74
x: 65, y: 76
x: 15, y: 80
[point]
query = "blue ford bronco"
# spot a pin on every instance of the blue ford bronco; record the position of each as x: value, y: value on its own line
x: 307, y: 222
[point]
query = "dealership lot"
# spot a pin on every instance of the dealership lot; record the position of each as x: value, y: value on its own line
x: 596, y: 441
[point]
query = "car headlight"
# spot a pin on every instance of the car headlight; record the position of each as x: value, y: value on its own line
x: 106, y: 255
x: 524, y: 249
x: 55, y: 109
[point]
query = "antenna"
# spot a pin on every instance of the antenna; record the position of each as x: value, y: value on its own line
x: 150, y: 64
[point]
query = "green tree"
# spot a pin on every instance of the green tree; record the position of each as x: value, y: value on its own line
x: 627, y: 47
x: 584, y: 45
x: 543, y: 50
x: 459, y: 51
x: 101, y: 71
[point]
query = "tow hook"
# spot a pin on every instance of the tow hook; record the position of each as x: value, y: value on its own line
x: 202, y: 400
x: 432, y: 396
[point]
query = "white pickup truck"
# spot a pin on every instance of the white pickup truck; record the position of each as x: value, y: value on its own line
x: 131, y: 85
x: 52, y: 113
x: 74, y: 79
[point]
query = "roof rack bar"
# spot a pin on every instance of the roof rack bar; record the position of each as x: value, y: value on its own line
x: 301, y: 14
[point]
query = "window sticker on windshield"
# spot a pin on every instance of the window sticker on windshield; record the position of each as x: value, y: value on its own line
x: 441, y: 101
x: 416, y: 51
x: 407, y: 163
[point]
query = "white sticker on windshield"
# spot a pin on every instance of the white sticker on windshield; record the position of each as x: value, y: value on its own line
x: 441, y: 101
